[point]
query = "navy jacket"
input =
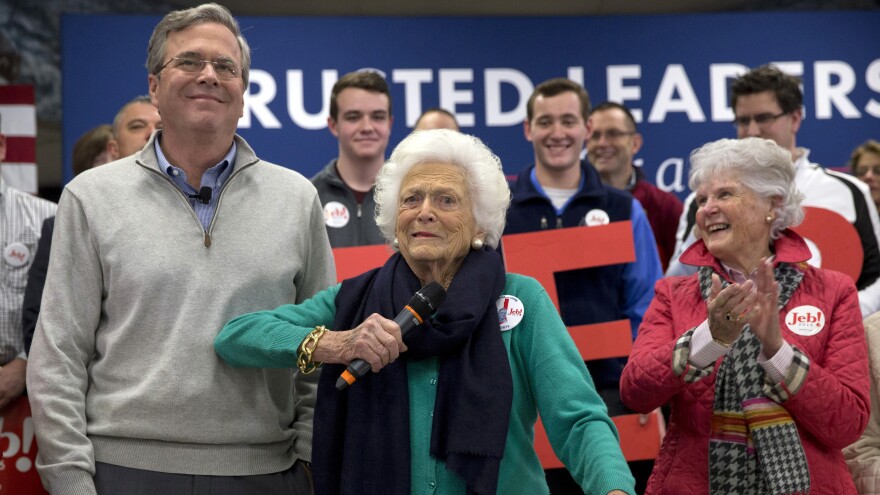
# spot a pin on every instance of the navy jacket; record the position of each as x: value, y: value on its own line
x: 599, y: 294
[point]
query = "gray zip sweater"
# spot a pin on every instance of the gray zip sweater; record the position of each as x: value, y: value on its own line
x: 122, y: 368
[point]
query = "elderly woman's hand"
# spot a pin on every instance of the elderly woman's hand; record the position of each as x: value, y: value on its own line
x: 377, y: 341
x: 764, y: 315
x: 728, y: 307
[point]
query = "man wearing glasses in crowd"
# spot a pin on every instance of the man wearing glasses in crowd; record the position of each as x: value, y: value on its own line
x: 768, y: 103
x: 611, y: 146
x: 127, y: 393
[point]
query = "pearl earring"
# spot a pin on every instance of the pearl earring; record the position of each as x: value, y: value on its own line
x: 477, y: 243
x: 769, y: 218
x: 395, y: 244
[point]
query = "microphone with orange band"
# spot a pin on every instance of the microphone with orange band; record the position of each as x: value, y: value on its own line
x: 423, y: 304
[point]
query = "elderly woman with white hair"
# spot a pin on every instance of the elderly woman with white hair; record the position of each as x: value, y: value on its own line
x: 761, y: 356
x: 454, y: 406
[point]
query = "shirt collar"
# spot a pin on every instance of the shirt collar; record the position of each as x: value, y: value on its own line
x: 632, y: 180
x: 803, y: 158
x: 214, y: 177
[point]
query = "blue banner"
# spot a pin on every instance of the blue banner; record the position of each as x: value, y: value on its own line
x: 673, y: 71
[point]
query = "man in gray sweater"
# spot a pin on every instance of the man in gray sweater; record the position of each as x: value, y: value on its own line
x: 151, y: 256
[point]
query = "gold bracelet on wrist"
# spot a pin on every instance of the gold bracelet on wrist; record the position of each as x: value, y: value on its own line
x: 308, y: 346
x: 722, y: 343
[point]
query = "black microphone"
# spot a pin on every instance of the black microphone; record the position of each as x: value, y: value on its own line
x: 204, y: 195
x: 423, y: 304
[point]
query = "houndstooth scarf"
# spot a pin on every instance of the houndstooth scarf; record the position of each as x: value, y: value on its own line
x: 754, y: 447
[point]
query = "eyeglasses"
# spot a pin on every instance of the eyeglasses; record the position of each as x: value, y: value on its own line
x: 863, y: 171
x: 762, y: 119
x: 225, y: 69
x: 610, y: 134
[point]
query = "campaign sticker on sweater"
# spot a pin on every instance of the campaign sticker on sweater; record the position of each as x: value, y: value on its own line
x: 510, y: 312
x: 805, y: 320
x: 336, y: 215
x: 596, y: 217
x: 16, y: 254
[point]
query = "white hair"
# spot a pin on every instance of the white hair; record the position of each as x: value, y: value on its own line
x: 761, y: 166
x: 484, y: 178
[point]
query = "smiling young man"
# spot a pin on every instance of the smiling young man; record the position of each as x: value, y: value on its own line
x: 559, y: 191
x: 127, y: 393
x: 768, y: 103
x: 611, y: 146
x: 360, y: 118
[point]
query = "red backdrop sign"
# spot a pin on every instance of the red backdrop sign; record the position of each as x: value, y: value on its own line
x: 18, y: 475
x: 837, y: 240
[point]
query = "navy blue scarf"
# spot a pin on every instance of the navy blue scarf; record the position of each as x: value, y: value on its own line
x: 361, y: 441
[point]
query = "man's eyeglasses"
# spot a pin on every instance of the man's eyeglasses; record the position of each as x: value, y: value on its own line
x: 225, y: 69
x: 610, y: 134
x: 863, y: 171
x: 761, y: 119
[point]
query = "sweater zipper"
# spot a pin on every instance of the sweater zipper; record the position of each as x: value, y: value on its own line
x: 219, y: 199
x: 207, y: 232
x: 360, y: 210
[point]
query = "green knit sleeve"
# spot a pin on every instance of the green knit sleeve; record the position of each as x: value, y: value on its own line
x: 573, y: 414
x: 270, y: 339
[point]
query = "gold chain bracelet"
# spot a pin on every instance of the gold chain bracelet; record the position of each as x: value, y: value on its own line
x: 304, y: 361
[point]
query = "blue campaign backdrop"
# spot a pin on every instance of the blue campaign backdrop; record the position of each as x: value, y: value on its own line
x: 672, y: 70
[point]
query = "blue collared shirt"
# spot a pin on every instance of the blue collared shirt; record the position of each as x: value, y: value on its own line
x: 214, y: 178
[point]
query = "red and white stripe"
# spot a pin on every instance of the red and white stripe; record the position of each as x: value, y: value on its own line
x: 19, y: 124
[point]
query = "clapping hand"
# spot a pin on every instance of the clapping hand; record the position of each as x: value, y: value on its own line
x: 764, y: 314
x: 728, y: 308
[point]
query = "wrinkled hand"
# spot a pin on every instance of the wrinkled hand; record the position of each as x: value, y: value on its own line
x: 377, y: 341
x: 729, y: 308
x: 764, y: 315
x: 12, y: 376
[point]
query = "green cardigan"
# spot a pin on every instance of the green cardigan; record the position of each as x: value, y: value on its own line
x: 549, y: 377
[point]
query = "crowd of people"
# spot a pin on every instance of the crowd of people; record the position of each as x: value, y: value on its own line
x: 186, y: 335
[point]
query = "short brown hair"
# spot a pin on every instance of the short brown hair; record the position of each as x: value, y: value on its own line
x: 363, y: 79
x: 869, y: 146
x: 559, y: 85
x: 89, y: 147
x: 786, y: 88
x: 611, y: 105
x: 179, y: 20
